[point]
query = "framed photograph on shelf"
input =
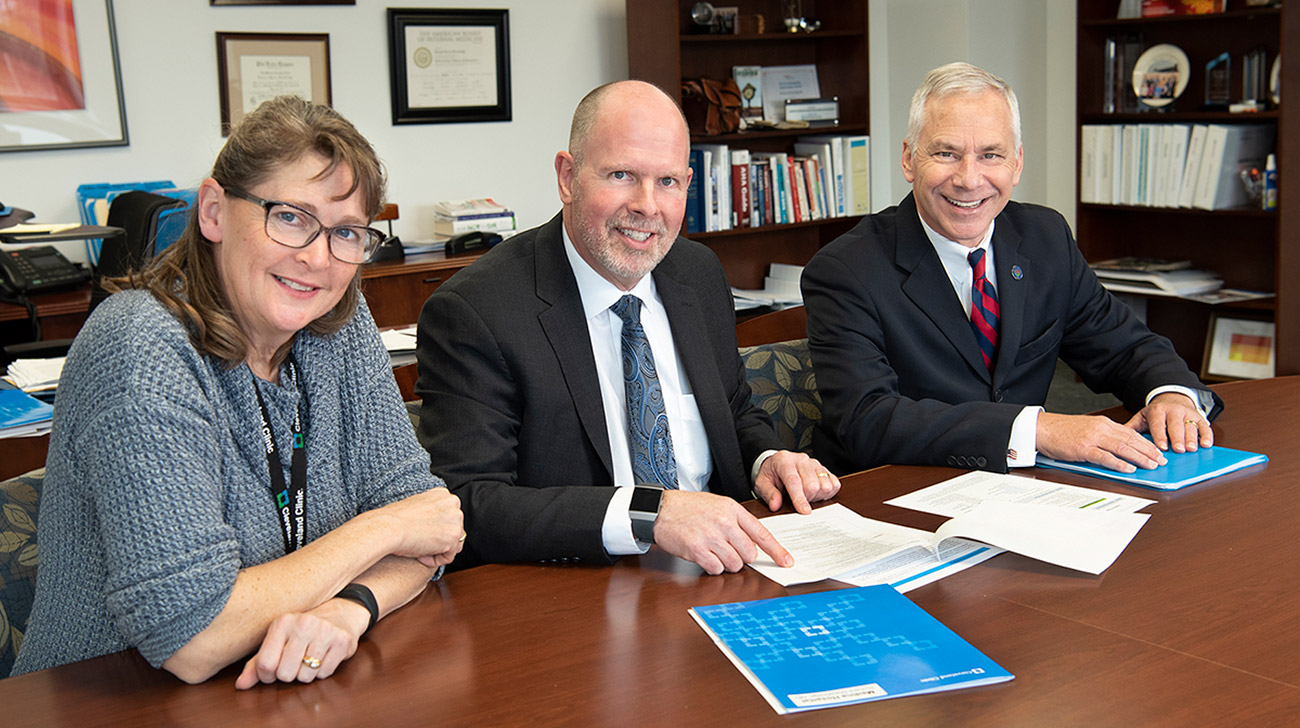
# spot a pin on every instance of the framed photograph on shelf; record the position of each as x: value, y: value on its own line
x: 254, y: 67
x: 1239, y: 348
x: 60, y: 85
x: 449, y: 66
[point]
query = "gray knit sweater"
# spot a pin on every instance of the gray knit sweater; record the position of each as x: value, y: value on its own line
x: 157, y: 492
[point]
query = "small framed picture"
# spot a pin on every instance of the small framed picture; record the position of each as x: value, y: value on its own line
x: 724, y: 20
x: 1239, y: 348
x: 254, y: 67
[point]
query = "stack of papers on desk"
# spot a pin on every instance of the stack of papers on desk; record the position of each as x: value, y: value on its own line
x: 780, y: 288
x: 36, y: 375
x: 1160, y: 283
x: 1078, y: 528
x: 400, y: 344
x: 437, y: 245
x: 22, y: 415
x: 843, y: 647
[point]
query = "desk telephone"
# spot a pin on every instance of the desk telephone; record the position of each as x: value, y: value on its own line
x: 40, y: 268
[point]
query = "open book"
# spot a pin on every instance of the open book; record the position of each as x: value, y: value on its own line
x: 834, y: 542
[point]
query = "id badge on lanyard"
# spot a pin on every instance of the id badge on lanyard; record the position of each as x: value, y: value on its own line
x: 291, y: 499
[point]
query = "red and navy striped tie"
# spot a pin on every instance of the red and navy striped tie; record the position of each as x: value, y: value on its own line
x: 983, y: 309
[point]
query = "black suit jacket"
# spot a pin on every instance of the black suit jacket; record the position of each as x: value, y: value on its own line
x: 512, y: 413
x: 900, y: 374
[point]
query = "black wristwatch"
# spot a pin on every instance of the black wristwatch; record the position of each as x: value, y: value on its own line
x: 644, y: 511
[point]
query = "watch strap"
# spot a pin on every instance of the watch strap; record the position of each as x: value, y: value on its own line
x: 361, y: 594
x: 643, y: 521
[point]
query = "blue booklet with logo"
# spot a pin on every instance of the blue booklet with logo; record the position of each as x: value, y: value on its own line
x: 1182, y: 470
x: 842, y: 647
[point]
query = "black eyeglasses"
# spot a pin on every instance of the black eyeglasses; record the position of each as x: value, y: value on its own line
x: 294, y: 227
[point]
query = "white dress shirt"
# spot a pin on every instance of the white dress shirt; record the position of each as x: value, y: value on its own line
x: 1022, y: 448
x: 685, y: 426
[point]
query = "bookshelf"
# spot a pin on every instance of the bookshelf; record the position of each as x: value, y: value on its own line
x: 663, y: 50
x: 1250, y: 248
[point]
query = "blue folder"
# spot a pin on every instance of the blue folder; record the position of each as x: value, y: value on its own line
x: 18, y: 408
x: 842, y: 647
x: 1182, y: 470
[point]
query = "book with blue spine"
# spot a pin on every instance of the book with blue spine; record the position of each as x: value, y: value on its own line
x: 694, y: 198
x: 1182, y: 470
x: 843, y: 647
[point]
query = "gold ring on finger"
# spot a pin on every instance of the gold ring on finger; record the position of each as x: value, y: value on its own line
x: 312, y: 662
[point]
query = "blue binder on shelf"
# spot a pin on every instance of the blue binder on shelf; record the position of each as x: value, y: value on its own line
x: 842, y: 647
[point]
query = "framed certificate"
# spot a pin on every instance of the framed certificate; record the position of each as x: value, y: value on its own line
x: 1239, y: 348
x: 449, y: 66
x: 254, y: 67
x: 60, y: 85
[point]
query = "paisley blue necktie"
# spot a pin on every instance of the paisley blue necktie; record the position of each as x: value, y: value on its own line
x: 983, y: 309
x: 647, y: 424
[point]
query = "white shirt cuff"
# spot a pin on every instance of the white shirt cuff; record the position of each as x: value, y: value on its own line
x: 1023, y: 447
x: 616, y: 531
x: 1185, y: 391
x: 753, y: 472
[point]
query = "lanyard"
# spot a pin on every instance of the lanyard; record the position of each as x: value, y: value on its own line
x: 291, y: 500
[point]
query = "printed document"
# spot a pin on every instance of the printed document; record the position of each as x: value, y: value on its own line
x: 834, y: 542
x: 961, y: 494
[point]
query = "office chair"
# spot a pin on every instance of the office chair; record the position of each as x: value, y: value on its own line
x: 137, y: 213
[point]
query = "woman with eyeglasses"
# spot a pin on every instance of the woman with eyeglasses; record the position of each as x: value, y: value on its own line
x: 231, y: 469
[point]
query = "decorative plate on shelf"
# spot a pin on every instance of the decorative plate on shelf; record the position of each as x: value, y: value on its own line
x: 1161, y: 74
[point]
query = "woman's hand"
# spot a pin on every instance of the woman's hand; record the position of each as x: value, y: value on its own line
x: 429, y: 526
x: 324, y: 637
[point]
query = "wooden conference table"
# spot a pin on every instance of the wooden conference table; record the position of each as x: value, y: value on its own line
x: 1195, y: 624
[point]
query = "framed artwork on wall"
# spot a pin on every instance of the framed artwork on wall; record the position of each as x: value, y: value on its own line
x: 448, y: 66
x: 60, y: 84
x: 1239, y: 348
x: 254, y: 67
x: 282, y: 2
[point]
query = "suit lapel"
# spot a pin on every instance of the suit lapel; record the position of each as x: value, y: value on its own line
x: 564, y: 324
x: 930, y: 289
x: 1011, y: 294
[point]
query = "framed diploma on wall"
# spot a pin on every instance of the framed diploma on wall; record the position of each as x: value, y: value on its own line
x: 254, y: 67
x: 449, y: 66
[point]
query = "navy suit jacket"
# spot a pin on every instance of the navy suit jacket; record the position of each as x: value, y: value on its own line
x: 900, y: 375
x: 512, y: 415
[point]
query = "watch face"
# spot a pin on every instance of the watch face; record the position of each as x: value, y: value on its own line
x: 646, y: 500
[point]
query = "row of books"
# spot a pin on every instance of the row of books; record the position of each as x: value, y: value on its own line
x: 1171, y: 165
x: 827, y: 176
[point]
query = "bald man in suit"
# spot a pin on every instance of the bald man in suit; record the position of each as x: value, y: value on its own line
x: 525, y: 384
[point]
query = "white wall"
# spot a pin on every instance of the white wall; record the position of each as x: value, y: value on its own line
x: 1030, y: 43
x: 559, y: 51
x: 167, y: 52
